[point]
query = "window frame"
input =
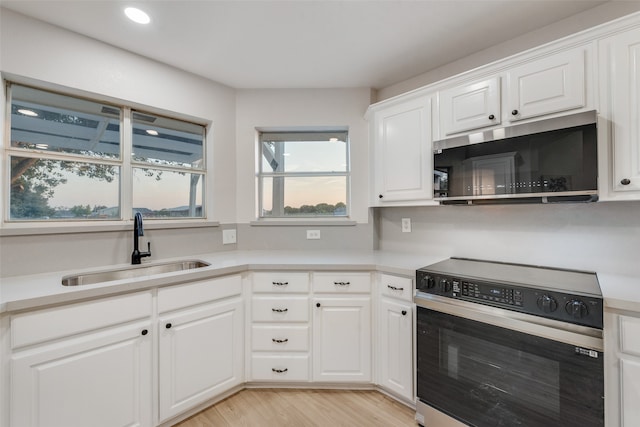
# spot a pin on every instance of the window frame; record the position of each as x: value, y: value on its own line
x: 261, y: 174
x: 10, y: 226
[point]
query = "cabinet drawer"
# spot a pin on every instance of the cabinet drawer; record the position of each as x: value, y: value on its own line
x: 280, y: 368
x: 396, y: 287
x: 280, y: 282
x: 54, y: 323
x: 280, y: 309
x: 279, y: 338
x: 180, y: 296
x: 342, y: 282
x: 630, y: 335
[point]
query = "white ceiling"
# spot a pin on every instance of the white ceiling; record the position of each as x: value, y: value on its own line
x: 304, y: 44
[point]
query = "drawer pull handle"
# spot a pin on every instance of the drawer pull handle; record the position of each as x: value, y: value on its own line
x: 625, y: 181
x: 280, y: 310
x: 280, y: 283
x: 277, y: 341
x: 279, y: 371
x: 342, y: 283
x: 394, y: 288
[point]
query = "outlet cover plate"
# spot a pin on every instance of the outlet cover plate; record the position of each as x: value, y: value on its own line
x: 406, y: 225
x: 313, y: 234
x: 229, y: 236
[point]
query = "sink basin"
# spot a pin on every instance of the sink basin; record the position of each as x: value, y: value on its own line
x: 131, y: 272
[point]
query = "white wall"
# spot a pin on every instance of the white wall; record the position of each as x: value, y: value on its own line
x: 37, y: 53
x: 601, y: 237
x: 582, y: 21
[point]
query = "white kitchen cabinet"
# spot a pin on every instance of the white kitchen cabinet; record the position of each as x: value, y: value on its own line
x: 546, y: 85
x: 622, y: 368
x: 620, y: 107
x: 280, y: 331
x: 470, y: 106
x: 201, y: 350
x: 402, y: 151
x: 395, y: 336
x: 93, y: 370
x: 341, y: 326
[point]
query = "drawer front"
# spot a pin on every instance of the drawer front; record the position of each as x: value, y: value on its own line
x: 54, y: 323
x: 342, y: 282
x: 396, y: 287
x: 280, y: 367
x: 280, y: 309
x: 180, y: 296
x: 630, y: 335
x: 280, y: 282
x: 279, y: 338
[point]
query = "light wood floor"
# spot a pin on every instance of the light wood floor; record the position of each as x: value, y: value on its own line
x: 303, y: 408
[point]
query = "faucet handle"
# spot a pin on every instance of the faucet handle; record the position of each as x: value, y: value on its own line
x: 149, y: 247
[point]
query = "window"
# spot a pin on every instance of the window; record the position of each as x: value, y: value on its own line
x: 303, y: 174
x: 67, y: 160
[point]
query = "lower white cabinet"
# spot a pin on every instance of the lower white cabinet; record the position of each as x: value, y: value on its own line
x: 622, y: 369
x: 200, y: 355
x: 395, y: 325
x: 396, y: 349
x: 100, y: 375
x: 342, y: 339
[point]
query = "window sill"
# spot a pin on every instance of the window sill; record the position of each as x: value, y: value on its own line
x: 31, y: 229
x: 302, y: 222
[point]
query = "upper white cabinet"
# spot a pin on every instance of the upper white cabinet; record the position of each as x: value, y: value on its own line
x: 620, y: 109
x: 402, y: 151
x: 470, y: 106
x: 546, y: 85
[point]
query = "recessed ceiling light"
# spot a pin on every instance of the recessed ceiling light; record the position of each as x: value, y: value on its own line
x: 136, y: 15
x: 152, y: 132
x: 26, y: 112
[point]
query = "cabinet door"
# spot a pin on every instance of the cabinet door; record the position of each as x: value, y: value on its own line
x: 103, y: 379
x: 548, y: 85
x: 201, y: 355
x: 630, y: 390
x: 403, y: 152
x: 395, y: 362
x: 620, y: 69
x: 471, y: 106
x: 342, y: 339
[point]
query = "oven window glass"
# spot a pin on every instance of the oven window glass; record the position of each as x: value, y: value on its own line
x: 485, y: 375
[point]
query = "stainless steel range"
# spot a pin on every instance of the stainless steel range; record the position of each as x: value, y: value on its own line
x: 508, y: 345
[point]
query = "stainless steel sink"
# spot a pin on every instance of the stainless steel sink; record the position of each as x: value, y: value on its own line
x: 131, y: 272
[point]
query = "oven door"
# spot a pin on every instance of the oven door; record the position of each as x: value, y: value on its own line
x: 488, y: 375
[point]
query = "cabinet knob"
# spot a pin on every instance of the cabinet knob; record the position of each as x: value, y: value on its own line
x: 514, y: 113
x: 168, y: 325
x: 625, y: 181
x: 144, y: 332
x: 317, y: 304
x: 491, y: 117
x: 380, y: 196
x: 404, y: 312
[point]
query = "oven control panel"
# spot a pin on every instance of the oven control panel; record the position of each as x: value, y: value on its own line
x: 577, y: 309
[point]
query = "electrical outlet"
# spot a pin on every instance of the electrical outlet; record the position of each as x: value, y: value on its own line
x: 313, y: 234
x: 228, y: 236
x: 406, y: 225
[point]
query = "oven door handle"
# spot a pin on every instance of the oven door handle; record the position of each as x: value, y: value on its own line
x: 581, y: 336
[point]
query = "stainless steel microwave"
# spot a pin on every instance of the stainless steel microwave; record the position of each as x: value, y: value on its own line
x: 553, y: 160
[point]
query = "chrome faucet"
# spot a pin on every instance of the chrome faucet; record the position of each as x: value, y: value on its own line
x: 138, y: 230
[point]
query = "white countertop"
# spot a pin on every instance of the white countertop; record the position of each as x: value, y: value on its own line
x: 33, y: 291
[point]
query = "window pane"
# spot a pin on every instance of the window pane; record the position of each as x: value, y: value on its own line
x: 45, y: 189
x: 165, y: 194
x: 63, y: 124
x: 304, y: 156
x: 304, y: 196
x: 164, y: 141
